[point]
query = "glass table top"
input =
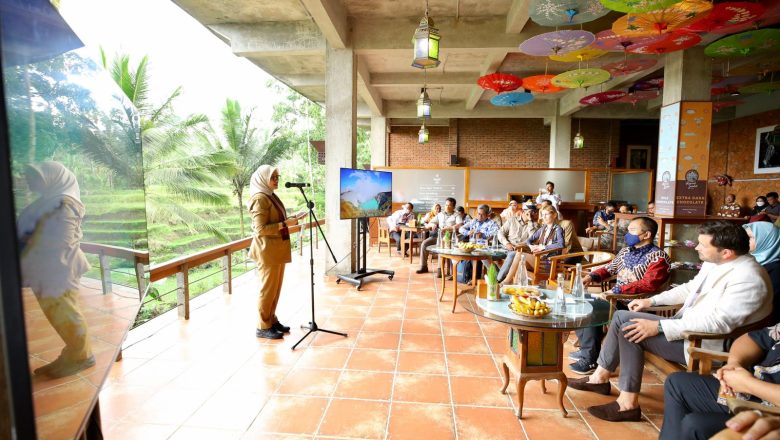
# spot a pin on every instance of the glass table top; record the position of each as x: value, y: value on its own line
x: 591, y: 312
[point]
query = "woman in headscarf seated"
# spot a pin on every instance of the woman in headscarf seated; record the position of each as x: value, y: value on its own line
x: 765, y: 247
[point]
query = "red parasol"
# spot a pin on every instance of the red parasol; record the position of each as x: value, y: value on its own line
x: 718, y: 105
x: 540, y: 84
x: 770, y: 16
x: 666, y: 43
x: 500, y: 82
x: 638, y: 96
x: 650, y: 84
x: 602, y: 97
x: 612, y: 42
x: 727, y: 15
x: 627, y: 67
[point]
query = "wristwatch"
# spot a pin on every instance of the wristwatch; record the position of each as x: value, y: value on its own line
x: 660, y: 328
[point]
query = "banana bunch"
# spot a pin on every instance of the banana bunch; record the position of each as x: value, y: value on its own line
x: 531, y: 306
x: 467, y: 246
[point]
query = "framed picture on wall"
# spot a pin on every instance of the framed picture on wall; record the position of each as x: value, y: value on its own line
x: 767, y: 157
x: 638, y: 156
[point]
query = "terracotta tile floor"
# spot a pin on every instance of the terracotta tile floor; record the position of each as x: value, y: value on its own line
x: 409, y: 369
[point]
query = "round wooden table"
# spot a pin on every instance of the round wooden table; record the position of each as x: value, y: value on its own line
x: 534, y: 349
x: 456, y: 256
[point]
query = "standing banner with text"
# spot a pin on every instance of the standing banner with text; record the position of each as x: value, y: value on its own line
x: 668, y: 135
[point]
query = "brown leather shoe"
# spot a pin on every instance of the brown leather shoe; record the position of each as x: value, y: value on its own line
x: 611, y: 412
x: 581, y: 383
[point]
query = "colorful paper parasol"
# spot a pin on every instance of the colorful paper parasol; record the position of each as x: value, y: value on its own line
x: 610, y: 41
x: 541, y: 84
x: 746, y: 43
x: 602, y: 97
x: 734, y: 81
x: 638, y: 96
x: 584, y: 54
x: 650, y: 84
x: 720, y: 105
x: 500, y: 82
x: 627, y: 67
x: 725, y: 90
x: 762, y: 87
x: 511, y: 99
x: 565, y: 12
x: 726, y: 15
x: 556, y: 43
x: 580, y: 78
x: 770, y: 16
x: 761, y: 67
x: 666, y: 43
x: 663, y: 20
x: 637, y: 6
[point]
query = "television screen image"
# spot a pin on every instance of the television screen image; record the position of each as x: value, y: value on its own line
x: 365, y: 193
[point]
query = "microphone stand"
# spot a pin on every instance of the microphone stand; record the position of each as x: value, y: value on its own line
x: 313, y: 327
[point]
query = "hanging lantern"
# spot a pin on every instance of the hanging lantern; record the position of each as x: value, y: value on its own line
x: 579, y: 142
x: 424, y: 105
x: 426, y: 44
x: 422, y: 135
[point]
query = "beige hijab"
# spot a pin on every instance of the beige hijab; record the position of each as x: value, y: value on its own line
x: 261, y: 182
x: 53, y: 182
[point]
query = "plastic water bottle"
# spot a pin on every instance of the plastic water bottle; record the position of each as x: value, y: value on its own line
x: 560, y: 296
x: 578, y: 289
x: 521, y: 277
x: 439, y: 239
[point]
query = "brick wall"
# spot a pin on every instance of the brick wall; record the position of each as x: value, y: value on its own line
x: 602, y: 144
x: 511, y: 143
x: 732, y: 151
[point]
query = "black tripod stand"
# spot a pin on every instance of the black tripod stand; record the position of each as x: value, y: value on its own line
x: 362, y: 272
x: 313, y: 327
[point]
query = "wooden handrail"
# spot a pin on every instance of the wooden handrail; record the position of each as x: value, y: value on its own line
x: 116, y: 251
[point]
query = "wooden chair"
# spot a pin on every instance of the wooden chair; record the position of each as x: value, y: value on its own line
x: 383, y: 236
x: 542, y: 266
x: 593, y: 259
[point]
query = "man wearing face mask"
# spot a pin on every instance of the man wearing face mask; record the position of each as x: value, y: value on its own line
x: 640, y: 267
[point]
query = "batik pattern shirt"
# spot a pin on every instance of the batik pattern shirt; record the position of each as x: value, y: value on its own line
x: 638, y: 270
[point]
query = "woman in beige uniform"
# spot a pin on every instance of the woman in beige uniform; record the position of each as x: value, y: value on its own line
x: 270, y: 247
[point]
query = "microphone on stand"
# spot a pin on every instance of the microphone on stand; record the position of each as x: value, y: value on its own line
x: 296, y: 185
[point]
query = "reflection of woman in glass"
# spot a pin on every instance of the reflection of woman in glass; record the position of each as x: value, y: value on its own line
x: 52, y: 261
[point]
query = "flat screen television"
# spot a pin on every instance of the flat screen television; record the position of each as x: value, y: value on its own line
x: 365, y: 193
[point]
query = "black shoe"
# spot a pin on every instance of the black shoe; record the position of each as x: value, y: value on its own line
x: 268, y: 333
x: 583, y: 366
x: 281, y: 328
x: 422, y: 270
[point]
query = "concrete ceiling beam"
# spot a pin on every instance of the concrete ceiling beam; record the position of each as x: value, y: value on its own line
x: 517, y: 16
x: 304, y: 80
x: 617, y: 111
x: 456, y: 109
x: 464, y: 34
x: 570, y: 102
x: 490, y: 64
x: 270, y: 39
x: 331, y: 18
x: 370, y: 94
x: 415, y: 79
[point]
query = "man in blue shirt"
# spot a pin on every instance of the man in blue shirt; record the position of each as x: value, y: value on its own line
x: 480, y: 227
x: 602, y: 218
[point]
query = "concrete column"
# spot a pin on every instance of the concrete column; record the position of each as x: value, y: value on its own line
x: 378, y: 141
x: 341, y: 149
x: 687, y: 76
x: 560, y: 140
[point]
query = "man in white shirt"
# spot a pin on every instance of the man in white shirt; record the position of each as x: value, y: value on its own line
x: 731, y: 290
x: 444, y: 221
x: 553, y: 197
x: 398, y: 218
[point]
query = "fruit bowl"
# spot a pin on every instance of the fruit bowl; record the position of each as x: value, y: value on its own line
x: 527, y: 315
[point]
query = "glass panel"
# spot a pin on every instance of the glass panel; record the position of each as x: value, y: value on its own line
x: 632, y: 188
x: 80, y: 210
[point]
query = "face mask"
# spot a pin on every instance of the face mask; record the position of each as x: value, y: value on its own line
x: 759, y: 203
x: 631, y: 239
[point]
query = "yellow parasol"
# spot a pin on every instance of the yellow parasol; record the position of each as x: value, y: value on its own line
x: 661, y: 21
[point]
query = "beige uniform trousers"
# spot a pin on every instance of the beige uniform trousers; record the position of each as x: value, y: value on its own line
x: 271, y: 277
x: 64, y: 314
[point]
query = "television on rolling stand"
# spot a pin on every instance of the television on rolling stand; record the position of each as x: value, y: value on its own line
x: 364, y: 194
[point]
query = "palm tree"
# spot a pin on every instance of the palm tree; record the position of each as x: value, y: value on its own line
x: 178, y: 167
x: 246, y: 149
